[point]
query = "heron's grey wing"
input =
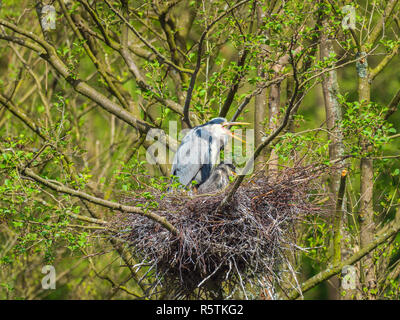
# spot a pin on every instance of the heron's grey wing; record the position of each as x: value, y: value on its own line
x: 191, y: 156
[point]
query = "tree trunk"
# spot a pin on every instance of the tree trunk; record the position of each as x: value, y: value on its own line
x: 260, y: 107
x: 330, y: 90
x: 366, y: 216
x: 273, y: 115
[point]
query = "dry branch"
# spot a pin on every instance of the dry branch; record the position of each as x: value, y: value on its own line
x: 98, y: 201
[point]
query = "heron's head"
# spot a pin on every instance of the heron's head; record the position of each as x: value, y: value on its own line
x: 221, y: 127
x: 228, y: 168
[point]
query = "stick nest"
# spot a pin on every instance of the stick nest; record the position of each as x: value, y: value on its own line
x: 235, y: 249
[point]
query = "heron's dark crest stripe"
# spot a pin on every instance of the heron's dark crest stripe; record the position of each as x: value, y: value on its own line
x: 213, y: 121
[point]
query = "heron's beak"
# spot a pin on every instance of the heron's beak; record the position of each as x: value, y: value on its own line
x: 229, y: 124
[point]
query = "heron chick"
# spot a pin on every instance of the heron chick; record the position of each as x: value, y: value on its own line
x: 199, y: 151
x: 218, y: 179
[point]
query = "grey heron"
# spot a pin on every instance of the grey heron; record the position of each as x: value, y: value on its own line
x: 218, y: 179
x: 199, y: 151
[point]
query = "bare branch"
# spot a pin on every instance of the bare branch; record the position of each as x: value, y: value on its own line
x: 98, y: 201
